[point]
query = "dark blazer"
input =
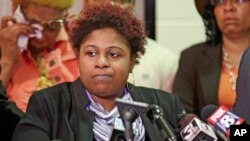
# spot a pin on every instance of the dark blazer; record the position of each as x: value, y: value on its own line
x: 59, y: 112
x: 242, y: 102
x: 198, y: 76
x: 9, y: 115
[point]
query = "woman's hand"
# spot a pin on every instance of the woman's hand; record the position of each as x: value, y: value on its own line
x: 9, y: 34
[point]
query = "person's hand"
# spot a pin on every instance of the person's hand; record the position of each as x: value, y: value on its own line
x: 9, y: 33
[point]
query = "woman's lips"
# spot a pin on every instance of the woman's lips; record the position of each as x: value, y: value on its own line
x: 230, y: 20
x: 102, y: 76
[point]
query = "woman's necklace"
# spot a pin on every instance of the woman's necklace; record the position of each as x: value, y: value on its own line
x: 44, y: 80
x: 229, y: 65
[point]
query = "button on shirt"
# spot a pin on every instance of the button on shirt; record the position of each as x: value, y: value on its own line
x: 60, y: 63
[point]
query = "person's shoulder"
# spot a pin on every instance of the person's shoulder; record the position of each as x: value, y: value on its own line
x: 158, y: 52
x: 196, y: 51
x: 54, y: 92
x: 196, y: 47
x: 147, y: 91
x: 152, y: 45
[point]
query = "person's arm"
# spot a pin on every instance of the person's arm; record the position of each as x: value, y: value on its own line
x: 8, y: 107
x: 184, y: 85
x: 165, y: 61
x: 10, y: 115
x: 9, y: 34
x: 169, y: 67
x: 7, y: 68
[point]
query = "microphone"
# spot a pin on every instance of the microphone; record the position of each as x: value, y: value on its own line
x: 117, y: 135
x: 155, y: 114
x: 205, y: 113
x: 118, y: 130
x: 129, y: 111
x: 221, y: 118
x: 186, y: 119
x: 196, y: 130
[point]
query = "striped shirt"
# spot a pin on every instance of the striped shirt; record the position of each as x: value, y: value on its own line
x: 105, y: 121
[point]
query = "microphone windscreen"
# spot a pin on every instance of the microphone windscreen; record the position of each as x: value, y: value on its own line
x: 117, y: 135
x: 187, y: 119
x: 207, y: 111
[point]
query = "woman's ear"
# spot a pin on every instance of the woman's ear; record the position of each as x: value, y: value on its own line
x: 132, y: 63
x: 131, y: 69
x: 77, y: 52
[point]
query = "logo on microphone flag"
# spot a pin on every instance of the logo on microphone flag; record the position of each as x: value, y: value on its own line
x: 197, y: 130
x: 222, y: 119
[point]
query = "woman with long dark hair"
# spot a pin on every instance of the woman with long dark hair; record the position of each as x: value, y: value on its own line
x: 208, y: 71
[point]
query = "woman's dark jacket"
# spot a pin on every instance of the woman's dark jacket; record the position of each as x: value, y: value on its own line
x: 198, y: 76
x: 59, y: 112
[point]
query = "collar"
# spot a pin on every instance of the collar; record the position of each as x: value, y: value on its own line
x: 61, y: 47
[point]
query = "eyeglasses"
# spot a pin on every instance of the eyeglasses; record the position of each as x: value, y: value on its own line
x: 219, y: 2
x: 50, y: 25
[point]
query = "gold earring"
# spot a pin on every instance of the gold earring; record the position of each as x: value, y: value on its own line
x: 132, y: 83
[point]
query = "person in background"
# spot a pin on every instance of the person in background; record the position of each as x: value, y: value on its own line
x: 32, y: 58
x: 158, y: 66
x: 5, y: 8
x: 108, y: 41
x: 208, y: 71
x: 241, y: 105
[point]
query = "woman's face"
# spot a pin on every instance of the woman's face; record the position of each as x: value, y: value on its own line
x: 105, y: 62
x: 233, y: 17
x: 34, y: 14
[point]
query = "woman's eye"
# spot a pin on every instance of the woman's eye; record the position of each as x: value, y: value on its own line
x: 113, y: 54
x: 91, y: 53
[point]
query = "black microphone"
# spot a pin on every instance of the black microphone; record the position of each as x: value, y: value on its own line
x: 118, y: 130
x: 129, y: 111
x: 221, y: 119
x: 193, y: 129
x: 208, y: 111
x: 117, y: 135
x: 155, y: 114
x: 186, y: 119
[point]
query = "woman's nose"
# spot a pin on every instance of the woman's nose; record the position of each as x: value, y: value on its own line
x: 102, y: 61
x: 229, y: 5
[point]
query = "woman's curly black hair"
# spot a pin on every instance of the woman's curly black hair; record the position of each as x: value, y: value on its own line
x: 213, y: 32
x: 106, y: 15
